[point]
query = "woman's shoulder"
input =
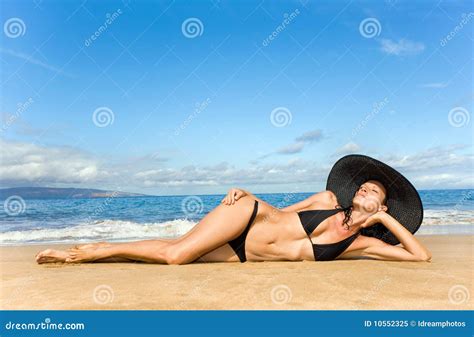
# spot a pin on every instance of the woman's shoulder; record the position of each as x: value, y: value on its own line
x: 321, y: 200
x: 325, y: 197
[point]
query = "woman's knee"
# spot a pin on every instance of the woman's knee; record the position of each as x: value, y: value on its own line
x: 177, y: 254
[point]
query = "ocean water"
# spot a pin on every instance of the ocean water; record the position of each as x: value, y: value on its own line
x: 124, y: 219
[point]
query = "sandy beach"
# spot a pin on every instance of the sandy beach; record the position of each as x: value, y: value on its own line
x: 443, y: 284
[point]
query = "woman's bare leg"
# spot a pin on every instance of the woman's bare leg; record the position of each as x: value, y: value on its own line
x: 93, y: 245
x: 53, y: 255
x: 224, y: 253
x: 151, y: 251
x: 222, y: 224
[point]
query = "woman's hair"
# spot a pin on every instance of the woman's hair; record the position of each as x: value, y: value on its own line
x: 347, y: 214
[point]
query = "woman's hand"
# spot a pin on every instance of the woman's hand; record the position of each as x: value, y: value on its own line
x: 374, y: 218
x: 233, y: 195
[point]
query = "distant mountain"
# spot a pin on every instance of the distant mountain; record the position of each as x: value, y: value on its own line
x: 63, y: 193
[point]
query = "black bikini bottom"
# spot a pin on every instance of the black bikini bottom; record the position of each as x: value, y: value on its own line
x: 238, y: 244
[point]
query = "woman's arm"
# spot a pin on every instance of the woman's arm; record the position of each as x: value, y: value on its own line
x: 253, y: 196
x: 321, y: 197
x: 412, y: 249
x: 235, y: 194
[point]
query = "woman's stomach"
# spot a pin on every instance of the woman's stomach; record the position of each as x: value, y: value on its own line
x: 277, y: 236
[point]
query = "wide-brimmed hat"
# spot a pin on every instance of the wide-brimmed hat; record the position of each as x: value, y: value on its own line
x: 403, y: 200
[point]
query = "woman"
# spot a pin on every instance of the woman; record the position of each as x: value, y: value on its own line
x: 381, y: 209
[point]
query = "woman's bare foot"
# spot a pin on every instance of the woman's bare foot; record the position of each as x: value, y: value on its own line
x: 51, y: 256
x: 93, y: 245
x: 76, y: 255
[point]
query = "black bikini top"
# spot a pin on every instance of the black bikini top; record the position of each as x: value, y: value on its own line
x: 329, y: 251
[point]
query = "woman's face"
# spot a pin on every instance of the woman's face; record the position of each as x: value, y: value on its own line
x: 370, y: 197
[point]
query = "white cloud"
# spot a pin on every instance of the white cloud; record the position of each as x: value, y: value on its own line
x: 32, y: 163
x: 439, y: 157
x: 295, y: 171
x: 299, y: 144
x: 15, y: 122
x: 310, y: 136
x: 436, y: 179
x: 350, y: 147
x: 434, y: 85
x: 401, y: 47
x: 25, y: 164
x: 31, y: 60
x: 292, y: 148
x: 437, y: 167
x: 444, y: 179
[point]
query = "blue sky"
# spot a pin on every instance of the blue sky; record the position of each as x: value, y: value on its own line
x: 199, y: 111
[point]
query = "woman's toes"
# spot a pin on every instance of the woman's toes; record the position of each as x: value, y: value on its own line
x: 71, y: 258
x: 42, y: 253
x: 77, y: 256
x: 51, y: 256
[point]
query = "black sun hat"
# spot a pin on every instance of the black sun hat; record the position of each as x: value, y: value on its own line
x: 403, y: 200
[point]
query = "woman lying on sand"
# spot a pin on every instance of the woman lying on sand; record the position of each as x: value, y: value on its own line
x: 381, y: 209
